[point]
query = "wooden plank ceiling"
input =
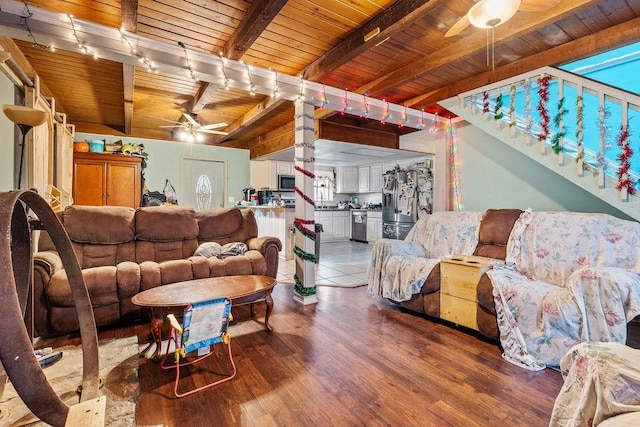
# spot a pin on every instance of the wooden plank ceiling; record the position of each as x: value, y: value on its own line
x: 410, y: 61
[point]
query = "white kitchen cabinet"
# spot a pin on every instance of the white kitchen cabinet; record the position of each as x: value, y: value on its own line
x: 347, y: 179
x: 341, y: 225
x: 336, y: 225
x: 284, y: 168
x: 363, y: 179
x: 375, y: 178
x: 374, y: 226
x: 264, y: 173
x: 370, y: 178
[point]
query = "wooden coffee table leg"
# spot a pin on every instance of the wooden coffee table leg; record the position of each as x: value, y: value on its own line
x: 157, y: 321
x: 269, y: 303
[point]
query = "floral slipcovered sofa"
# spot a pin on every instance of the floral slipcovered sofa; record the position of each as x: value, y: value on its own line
x: 601, y: 387
x: 568, y: 277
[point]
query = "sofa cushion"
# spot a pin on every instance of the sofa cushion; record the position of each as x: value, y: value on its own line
x: 166, y: 224
x: 494, y: 232
x: 226, y: 225
x: 104, y: 225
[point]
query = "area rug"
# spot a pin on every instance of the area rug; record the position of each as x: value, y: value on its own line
x: 118, y: 370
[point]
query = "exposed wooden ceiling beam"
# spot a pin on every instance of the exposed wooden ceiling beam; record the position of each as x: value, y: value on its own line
x: 593, y: 44
x: 259, y: 15
x: 256, y: 113
x: 474, y: 43
x: 129, y: 11
x: 202, y: 97
x: 398, y: 15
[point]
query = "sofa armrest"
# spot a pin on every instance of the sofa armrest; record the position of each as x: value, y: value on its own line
x: 45, y: 265
x: 270, y: 248
x: 263, y: 243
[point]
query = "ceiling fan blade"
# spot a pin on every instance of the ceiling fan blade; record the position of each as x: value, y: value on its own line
x: 214, y: 126
x: 172, y: 126
x: 216, y: 132
x: 190, y: 119
x: 537, y: 5
x: 458, y: 26
x: 166, y: 120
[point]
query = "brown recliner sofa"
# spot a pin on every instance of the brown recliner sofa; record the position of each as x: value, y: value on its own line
x: 123, y: 251
x: 493, y: 234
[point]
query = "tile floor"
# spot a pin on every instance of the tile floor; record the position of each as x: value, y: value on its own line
x: 341, y: 264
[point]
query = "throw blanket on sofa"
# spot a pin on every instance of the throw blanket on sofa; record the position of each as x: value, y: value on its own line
x: 397, y: 269
x: 601, y: 380
x: 570, y: 277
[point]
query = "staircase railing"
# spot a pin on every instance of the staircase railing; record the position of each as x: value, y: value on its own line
x: 569, y: 116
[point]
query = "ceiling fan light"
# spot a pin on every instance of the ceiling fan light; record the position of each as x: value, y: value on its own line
x: 199, y: 137
x: 491, y: 13
x: 182, y: 135
x: 190, y: 138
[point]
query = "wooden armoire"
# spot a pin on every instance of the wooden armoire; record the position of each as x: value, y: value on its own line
x: 107, y: 179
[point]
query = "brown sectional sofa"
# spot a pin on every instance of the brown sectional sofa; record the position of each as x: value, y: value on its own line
x: 493, y: 234
x: 123, y: 251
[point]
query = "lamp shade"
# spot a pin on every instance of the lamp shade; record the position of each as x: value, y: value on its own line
x: 24, y: 115
x: 491, y: 13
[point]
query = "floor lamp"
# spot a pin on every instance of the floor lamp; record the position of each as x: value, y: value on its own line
x: 26, y: 118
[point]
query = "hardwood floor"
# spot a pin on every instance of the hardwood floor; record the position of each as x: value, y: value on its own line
x: 350, y: 360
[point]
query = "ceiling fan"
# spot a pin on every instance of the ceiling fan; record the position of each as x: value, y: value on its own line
x: 491, y: 13
x: 190, y: 130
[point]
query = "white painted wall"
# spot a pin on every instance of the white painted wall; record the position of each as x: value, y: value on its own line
x: 493, y: 175
x: 164, y: 162
x: 7, y: 136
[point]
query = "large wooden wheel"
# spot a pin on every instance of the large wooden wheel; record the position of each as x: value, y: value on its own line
x: 16, y: 350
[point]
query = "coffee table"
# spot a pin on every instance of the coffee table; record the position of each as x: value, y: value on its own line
x: 241, y: 289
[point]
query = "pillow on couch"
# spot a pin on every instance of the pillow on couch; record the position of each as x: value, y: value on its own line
x: 210, y: 249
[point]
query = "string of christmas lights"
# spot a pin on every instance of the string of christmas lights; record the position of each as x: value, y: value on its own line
x: 227, y: 82
x: 24, y: 21
x: 455, y: 168
x: 136, y: 53
x: 186, y: 57
x: 81, y: 44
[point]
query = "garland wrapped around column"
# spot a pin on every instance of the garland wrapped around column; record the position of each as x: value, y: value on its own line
x: 485, y: 104
x: 527, y: 110
x: 497, y: 109
x: 299, y: 288
x: 624, y: 182
x: 580, y: 128
x: 299, y: 222
x: 512, y: 109
x: 556, y: 141
x: 543, y: 91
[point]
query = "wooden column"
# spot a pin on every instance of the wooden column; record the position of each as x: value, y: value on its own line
x: 305, y: 290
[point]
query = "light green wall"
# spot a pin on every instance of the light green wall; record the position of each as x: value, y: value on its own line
x: 7, y: 135
x: 493, y: 175
x: 165, y: 159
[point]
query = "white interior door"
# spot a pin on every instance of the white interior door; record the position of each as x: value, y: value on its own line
x: 204, y: 183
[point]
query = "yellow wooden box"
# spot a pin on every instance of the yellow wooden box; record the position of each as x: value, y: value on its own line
x: 458, y: 296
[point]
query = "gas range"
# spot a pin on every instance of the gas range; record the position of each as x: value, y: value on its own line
x: 289, y: 203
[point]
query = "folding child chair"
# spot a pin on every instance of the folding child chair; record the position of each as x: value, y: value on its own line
x: 204, y: 324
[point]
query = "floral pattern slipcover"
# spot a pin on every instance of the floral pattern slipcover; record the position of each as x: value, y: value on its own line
x: 399, y: 268
x: 569, y: 277
x: 601, y: 380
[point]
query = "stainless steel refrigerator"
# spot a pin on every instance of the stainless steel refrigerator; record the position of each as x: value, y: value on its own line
x: 407, y: 194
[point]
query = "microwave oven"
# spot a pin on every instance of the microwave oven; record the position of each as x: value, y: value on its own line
x: 286, y: 182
